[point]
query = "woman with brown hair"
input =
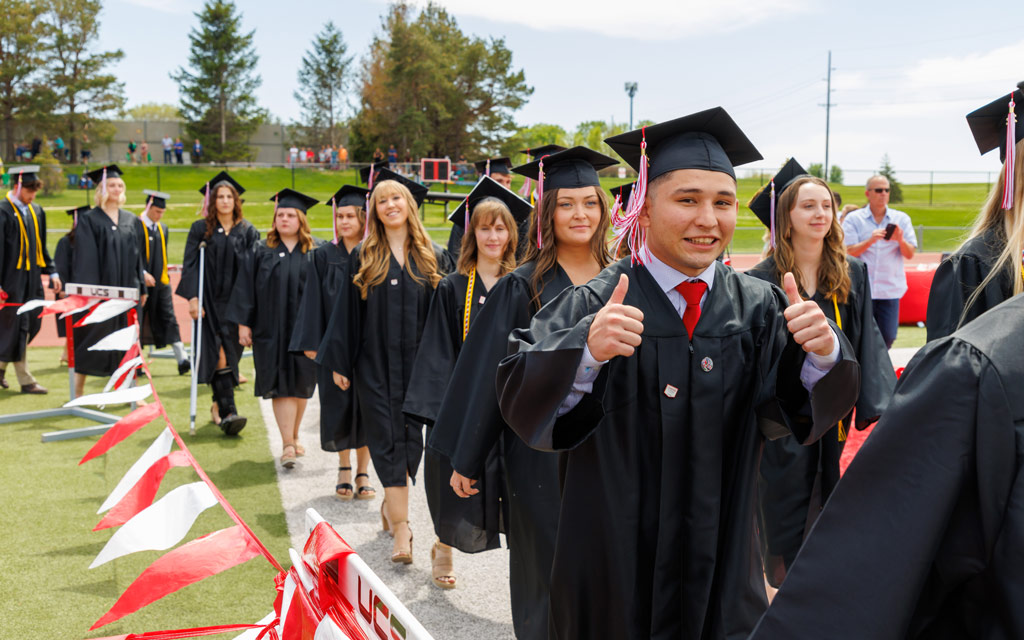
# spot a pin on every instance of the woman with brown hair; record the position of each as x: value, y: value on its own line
x: 341, y: 429
x: 567, y: 247
x: 806, y: 239
x: 265, y: 305
x: 375, y: 327
x: 230, y: 240
x: 489, y: 215
x: 987, y: 269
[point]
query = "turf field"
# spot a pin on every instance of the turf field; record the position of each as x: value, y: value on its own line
x: 944, y: 205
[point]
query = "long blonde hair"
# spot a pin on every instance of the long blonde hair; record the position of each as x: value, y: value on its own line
x: 833, y: 270
x: 547, y: 257
x: 102, y: 195
x: 1008, y: 224
x: 488, y: 211
x: 375, y: 254
x: 305, y: 234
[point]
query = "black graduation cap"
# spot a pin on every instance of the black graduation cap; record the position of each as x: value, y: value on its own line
x: 489, y: 188
x: 988, y: 124
x: 158, y: 198
x: 498, y: 165
x: 569, y: 169
x: 221, y: 178
x: 622, y: 192
x: 113, y: 171
x: 419, y: 191
x: 545, y: 150
x: 77, y: 211
x: 25, y: 173
x: 289, y: 198
x: 708, y: 140
x: 761, y: 203
x: 350, y: 196
x: 364, y: 173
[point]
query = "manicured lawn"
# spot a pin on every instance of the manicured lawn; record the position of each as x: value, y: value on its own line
x: 51, y: 502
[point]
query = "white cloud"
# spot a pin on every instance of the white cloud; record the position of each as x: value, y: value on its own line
x: 999, y: 69
x: 639, y: 19
x: 166, y: 6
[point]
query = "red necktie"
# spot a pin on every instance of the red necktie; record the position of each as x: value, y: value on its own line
x: 692, y: 292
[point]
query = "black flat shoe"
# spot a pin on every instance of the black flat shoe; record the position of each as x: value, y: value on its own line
x: 184, y: 367
x: 233, y: 424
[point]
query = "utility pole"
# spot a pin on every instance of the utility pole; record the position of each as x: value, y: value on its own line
x: 631, y: 91
x: 828, y: 108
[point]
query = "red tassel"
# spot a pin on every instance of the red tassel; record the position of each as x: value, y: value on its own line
x: 540, y: 200
x: 626, y: 225
x: 771, y: 215
x: 1011, y: 156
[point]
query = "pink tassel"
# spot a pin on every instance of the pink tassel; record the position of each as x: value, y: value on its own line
x: 771, y: 215
x: 616, y: 205
x: 334, y: 219
x: 488, y: 172
x: 103, y: 183
x: 465, y: 226
x: 626, y: 222
x: 524, y: 191
x: 149, y: 201
x: 206, y: 201
x: 1011, y: 156
x: 17, y: 188
x: 369, y: 194
x: 540, y: 200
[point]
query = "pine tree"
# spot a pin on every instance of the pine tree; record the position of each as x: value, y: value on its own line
x: 323, y: 82
x: 218, y: 91
x: 895, y: 188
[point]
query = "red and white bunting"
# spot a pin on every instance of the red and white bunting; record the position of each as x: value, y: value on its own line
x: 120, y: 340
x: 161, y: 525
x: 123, y: 396
x: 160, y: 447
x: 106, y: 310
x: 69, y: 303
x: 123, y: 374
x: 32, y: 305
x: 123, y: 428
x: 141, y: 495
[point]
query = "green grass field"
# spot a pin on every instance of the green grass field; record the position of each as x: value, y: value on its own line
x: 952, y: 205
x: 51, y: 505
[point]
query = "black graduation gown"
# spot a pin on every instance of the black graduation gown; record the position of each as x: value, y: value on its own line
x: 340, y: 427
x: 468, y: 524
x: 656, y: 536
x: 373, y: 343
x: 469, y: 426
x: 20, y: 285
x: 62, y: 257
x: 111, y: 255
x: 159, y: 326
x: 956, y: 279
x: 795, y: 480
x: 225, y: 253
x: 930, y: 515
x: 266, y: 299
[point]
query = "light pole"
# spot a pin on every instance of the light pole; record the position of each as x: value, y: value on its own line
x: 631, y: 90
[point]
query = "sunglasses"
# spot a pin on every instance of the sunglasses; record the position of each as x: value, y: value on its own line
x: 880, y: 190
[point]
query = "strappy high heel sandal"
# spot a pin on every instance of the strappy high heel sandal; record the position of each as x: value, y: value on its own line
x: 441, y: 565
x: 384, y: 522
x: 398, y: 555
x: 288, y: 459
x: 343, y: 490
x: 364, y: 491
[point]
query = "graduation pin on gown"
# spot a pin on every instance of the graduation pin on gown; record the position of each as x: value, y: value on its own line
x: 373, y: 343
x: 656, y: 536
x: 468, y: 524
x: 929, y: 516
x: 470, y: 424
x: 796, y: 480
x: 340, y: 427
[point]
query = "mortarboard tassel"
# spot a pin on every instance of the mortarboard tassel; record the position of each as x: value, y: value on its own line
x: 465, y: 226
x: 1011, y: 156
x: 626, y: 224
x: 369, y: 194
x: 488, y: 172
x: 771, y: 215
x: 206, y: 201
x: 540, y: 200
x: 103, y: 183
x: 149, y: 201
x: 617, y: 205
x: 334, y: 219
x: 17, y: 188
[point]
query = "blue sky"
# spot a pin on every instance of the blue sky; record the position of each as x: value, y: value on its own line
x: 904, y: 76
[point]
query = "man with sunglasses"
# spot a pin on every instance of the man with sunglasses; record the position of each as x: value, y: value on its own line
x: 883, y: 238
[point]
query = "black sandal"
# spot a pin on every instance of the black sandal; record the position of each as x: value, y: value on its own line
x: 344, y: 486
x: 365, y: 492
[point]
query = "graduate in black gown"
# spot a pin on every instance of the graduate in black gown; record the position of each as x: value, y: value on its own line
x: 488, y: 252
x: 572, y: 215
x: 63, y: 256
x: 23, y: 260
x: 924, y: 537
x: 795, y: 480
x: 265, y: 306
x: 109, y: 247
x: 159, y: 326
x: 988, y: 268
x: 230, y: 240
x: 341, y: 429
x: 660, y: 381
x: 499, y: 170
x: 375, y: 328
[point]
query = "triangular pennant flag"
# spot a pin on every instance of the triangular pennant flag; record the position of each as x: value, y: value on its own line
x: 301, y: 620
x: 287, y: 594
x: 92, y: 303
x: 161, y: 447
x: 123, y: 374
x: 134, y: 394
x: 31, y: 305
x: 188, y: 564
x: 133, y: 351
x: 120, y: 340
x: 195, y: 632
x: 141, y: 495
x: 121, y: 429
x: 106, y: 310
x: 329, y: 630
x: 161, y: 525
x: 69, y: 303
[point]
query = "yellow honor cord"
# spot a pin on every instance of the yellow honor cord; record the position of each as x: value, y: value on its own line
x: 164, y: 278
x: 469, y: 303
x: 23, y: 259
x: 839, y: 323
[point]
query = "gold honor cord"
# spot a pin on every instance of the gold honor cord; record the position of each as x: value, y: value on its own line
x: 23, y: 259
x: 164, y: 278
x: 839, y: 323
x: 469, y: 303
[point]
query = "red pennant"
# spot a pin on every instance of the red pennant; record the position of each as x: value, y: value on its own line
x: 174, y: 634
x: 303, y: 614
x: 189, y: 563
x: 69, y: 303
x: 141, y: 495
x: 133, y: 352
x: 123, y: 428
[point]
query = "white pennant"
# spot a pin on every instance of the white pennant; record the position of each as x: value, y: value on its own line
x: 286, y: 598
x: 108, y: 309
x: 128, y: 366
x: 120, y: 340
x: 327, y: 630
x: 32, y: 305
x: 250, y: 634
x: 133, y: 394
x: 92, y: 303
x: 160, y: 448
x: 161, y: 525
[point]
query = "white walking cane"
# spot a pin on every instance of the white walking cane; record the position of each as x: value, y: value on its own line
x: 197, y: 344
